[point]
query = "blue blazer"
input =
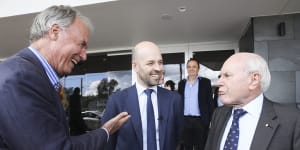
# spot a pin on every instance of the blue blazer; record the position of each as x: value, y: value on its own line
x: 130, y: 136
x: 32, y: 116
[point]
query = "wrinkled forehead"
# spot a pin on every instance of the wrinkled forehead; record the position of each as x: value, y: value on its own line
x: 233, y: 64
x: 79, y: 26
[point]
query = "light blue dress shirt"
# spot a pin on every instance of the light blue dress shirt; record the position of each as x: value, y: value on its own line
x: 191, y: 104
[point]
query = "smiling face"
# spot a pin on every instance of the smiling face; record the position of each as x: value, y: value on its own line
x: 69, y: 47
x: 192, y: 68
x: 147, y: 64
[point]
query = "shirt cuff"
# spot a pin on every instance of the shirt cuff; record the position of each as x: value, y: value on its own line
x: 107, y: 133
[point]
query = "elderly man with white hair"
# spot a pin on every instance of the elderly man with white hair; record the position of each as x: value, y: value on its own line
x: 248, y: 120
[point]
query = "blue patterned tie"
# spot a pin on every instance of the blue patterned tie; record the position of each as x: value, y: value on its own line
x: 151, y: 131
x: 232, y: 139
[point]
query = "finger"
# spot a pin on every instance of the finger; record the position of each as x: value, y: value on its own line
x: 120, y: 123
x: 121, y: 115
x: 118, y: 117
x: 123, y: 120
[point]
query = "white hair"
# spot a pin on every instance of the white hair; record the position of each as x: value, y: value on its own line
x: 256, y: 63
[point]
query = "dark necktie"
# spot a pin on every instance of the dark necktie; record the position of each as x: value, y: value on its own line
x: 232, y: 139
x: 151, y: 130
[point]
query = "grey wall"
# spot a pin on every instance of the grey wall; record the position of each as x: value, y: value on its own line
x: 246, y: 42
x: 282, y: 54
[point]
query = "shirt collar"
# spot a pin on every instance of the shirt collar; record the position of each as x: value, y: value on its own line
x: 140, y: 89
x: 53, y: 77
x: 254, y: 107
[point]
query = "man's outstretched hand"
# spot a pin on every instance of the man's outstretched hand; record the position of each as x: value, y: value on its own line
x: 115, y: 123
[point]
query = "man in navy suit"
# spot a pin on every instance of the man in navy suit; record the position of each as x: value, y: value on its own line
x: 148, y: 65
x: 31, y: 113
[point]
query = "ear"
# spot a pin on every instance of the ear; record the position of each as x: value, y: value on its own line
x: 133, y: 65
x: 255, y: 78
x: 54, y: 31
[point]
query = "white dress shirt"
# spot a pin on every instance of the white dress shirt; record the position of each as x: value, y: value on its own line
x: 247, y: 123
x: 143, y: 111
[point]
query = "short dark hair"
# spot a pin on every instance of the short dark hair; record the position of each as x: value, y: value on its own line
x: 171, y: 84
x: 193, y: 59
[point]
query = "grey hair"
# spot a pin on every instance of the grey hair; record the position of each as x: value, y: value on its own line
x: 61, y: 15
x: 256, y: 63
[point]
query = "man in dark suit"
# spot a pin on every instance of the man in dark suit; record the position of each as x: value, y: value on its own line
x: 148, y: 65
x: 264, y: 125
x: 196, y: 93
x: 31, y: 113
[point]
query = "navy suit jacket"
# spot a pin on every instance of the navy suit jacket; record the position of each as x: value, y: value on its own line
x: 32, y: 116
x: 281, y: 133
x: 130, y: 136
x: 205, y: 99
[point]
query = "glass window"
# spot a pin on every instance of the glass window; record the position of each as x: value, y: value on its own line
x: 101, y: 75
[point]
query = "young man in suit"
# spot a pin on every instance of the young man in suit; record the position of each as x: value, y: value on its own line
x: 248, y: 120
x: 196, y: 94
x: 31, y: 112
x: 167, y: 107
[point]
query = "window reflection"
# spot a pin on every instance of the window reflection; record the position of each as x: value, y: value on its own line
x: 89, y: 82
x: 172, y: 72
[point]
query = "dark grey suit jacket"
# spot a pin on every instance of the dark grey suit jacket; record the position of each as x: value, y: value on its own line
x: 130, y: 135
x: 282, y: 132
x: 31, y: 113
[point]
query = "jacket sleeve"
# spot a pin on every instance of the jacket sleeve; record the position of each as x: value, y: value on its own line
x: 32, y: 116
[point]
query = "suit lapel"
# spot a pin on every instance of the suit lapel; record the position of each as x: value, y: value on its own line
x: 163, y: 113
x: 222, y: 123
x: 266, y: 127
x: 134, y: 110
x: 28, y: 55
